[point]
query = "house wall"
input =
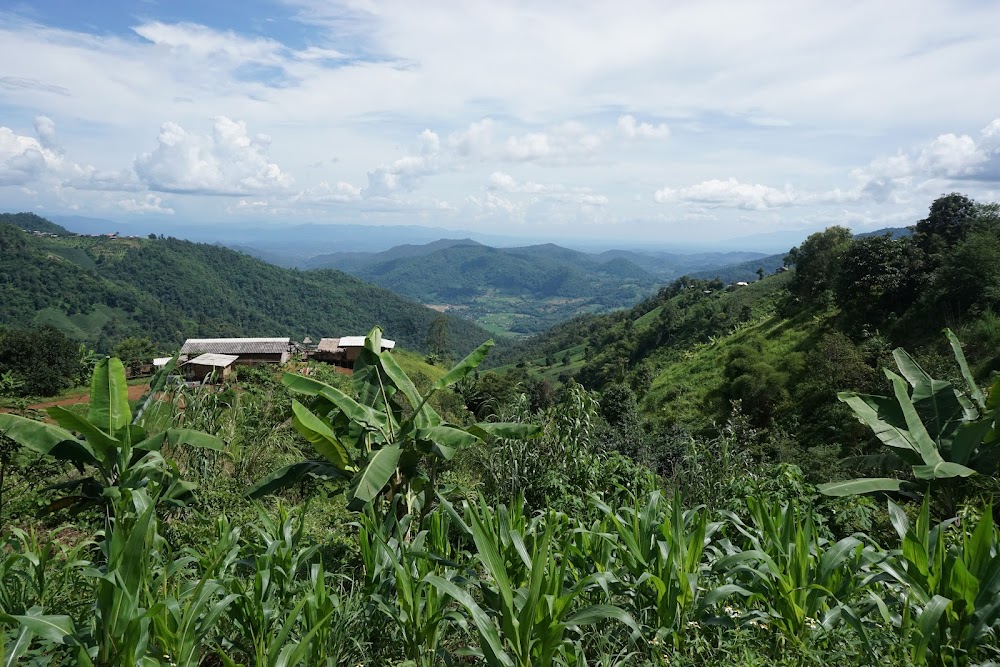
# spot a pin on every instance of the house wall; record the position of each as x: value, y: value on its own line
x: 198, y: 372
x: 250, y: 359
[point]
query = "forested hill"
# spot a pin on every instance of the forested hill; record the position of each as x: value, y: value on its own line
x: 33, y: 223
x: 452, y: 270
x: 783, y: 347
x: 518, y: 291
x: 100, y: 290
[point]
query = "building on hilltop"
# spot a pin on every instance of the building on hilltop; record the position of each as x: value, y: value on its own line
x: 246, y: 350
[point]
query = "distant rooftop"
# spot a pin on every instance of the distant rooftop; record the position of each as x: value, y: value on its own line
x: 359, y: 341
x: 236, y: 345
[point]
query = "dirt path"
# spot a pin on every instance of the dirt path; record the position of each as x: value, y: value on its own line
x: 135, y: 392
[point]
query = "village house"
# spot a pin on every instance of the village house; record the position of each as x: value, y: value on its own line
x: 344, y: 351
x: 246, y: 350
x: 197, y: 369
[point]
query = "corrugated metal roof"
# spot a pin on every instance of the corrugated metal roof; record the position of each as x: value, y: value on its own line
x: 217, y: 360
x: 359, y: 341
x: 236, y: 345
x: 161, y: 361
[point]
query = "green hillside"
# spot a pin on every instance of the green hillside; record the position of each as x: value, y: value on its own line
x: 101, y: 290
x: 507, y: 290
x: 33, y: 223
x: 775, y: 353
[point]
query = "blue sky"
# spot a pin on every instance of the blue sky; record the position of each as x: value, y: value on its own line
x: 668, y: 121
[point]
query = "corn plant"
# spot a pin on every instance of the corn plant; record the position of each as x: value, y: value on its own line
x: 529, y: 600
x: 370, y: 442
x: 118, y: 630
x: 269, y: 604
x: 802, y: 583
x: 121, y: 454
x: 400, y: 589
x: 190, y: 605
x: 949, y: 593
x: 662, y: 550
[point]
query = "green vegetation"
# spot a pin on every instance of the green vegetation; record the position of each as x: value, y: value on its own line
x: 688, y: 508
x: 586, y: 572
x: 103, y: 290
x: 507, y: 290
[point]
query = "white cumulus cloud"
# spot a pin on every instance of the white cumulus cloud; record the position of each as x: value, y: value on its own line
x: 633, y: 129
x: 150, y: 203
x: 229, y: 161
x: 730, y: 193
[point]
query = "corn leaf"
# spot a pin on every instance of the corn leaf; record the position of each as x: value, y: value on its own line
x: 865, y: 485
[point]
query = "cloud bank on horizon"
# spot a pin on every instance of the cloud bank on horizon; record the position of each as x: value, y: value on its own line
x: 660, y: 120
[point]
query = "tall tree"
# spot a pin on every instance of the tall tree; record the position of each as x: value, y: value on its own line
x: 817, y: 261
x: 947, y: 222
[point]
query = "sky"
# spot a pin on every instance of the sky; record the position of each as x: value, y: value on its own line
x: 660, y: 121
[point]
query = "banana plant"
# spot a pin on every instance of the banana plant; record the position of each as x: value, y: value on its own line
x: 377, y: 443
x: 941, y: 432
x: 118, y: 453
x: 949, y: 587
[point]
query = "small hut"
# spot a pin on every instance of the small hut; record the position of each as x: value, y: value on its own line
x: 346, y: 350
x: 204, y: 365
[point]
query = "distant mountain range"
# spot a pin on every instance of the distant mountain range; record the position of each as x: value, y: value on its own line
x: 520, y: 290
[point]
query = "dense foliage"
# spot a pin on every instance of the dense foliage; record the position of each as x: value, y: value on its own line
x: 579, y: 560
x: 102, y: 290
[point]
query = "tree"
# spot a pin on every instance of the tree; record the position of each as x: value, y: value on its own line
x: 437, y: 336
x: 44, y: 359
x: 947, y: 222
x: 760, y: 273
x: 879, y: 278
x: 817, y: 261
x: 135, y: 351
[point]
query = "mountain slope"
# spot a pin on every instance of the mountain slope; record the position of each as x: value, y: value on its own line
x: 100, y: 290
x: 521, y: 290
x: 357, y: 261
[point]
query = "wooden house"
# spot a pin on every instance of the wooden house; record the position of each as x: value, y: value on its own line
x: 344, y: 351
x: 197, y: 369
x: 246, y: 350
